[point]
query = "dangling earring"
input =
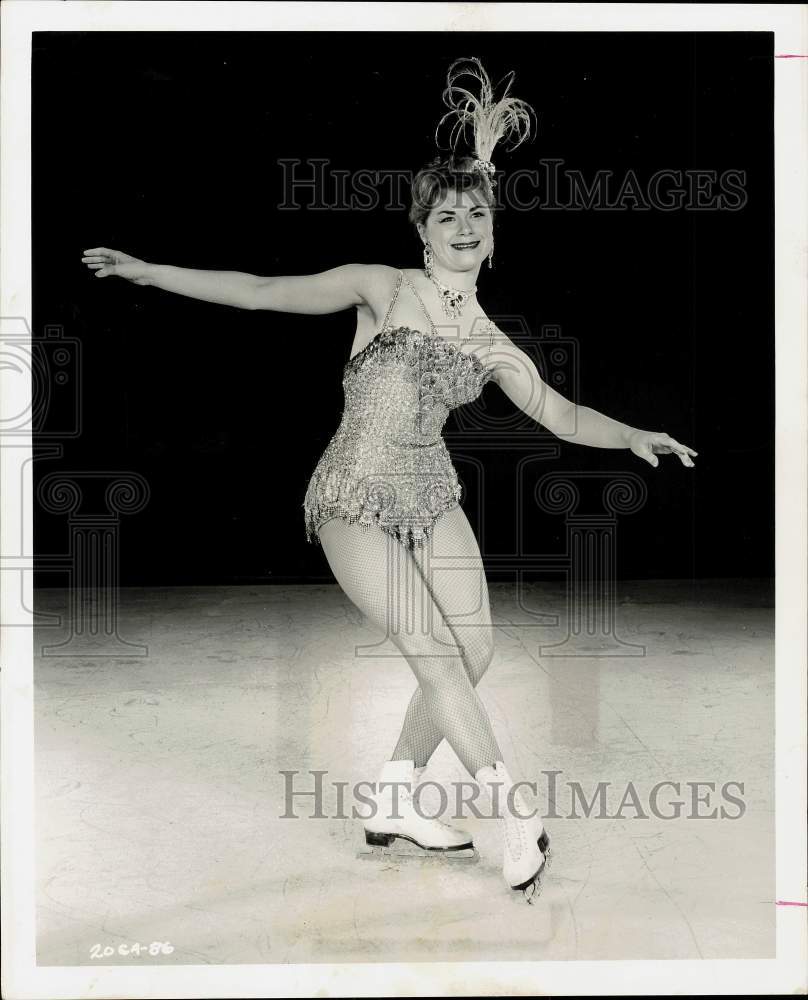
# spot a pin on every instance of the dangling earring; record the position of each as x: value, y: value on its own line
x: 428, y: 258
x: 491, y: 256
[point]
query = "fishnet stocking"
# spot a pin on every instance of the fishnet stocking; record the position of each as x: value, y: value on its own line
x: 433, y: 604
x: 452, y: 569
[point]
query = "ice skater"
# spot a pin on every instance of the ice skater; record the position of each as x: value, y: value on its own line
x: 384, y: 498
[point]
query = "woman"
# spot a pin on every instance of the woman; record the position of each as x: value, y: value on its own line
x: 384, y: 498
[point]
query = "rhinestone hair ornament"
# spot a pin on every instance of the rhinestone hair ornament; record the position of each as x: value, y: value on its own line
x: 492, y: 119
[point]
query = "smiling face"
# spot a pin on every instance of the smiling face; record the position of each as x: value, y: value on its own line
x: 460, y: 230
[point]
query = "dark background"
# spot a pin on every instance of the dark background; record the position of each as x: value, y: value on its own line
x: 166, y: 146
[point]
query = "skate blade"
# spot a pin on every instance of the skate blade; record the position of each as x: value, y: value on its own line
x: 531, y: 892
x: 403, y: 850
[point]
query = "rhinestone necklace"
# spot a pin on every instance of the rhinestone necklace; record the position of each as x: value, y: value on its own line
x: 452, y: 300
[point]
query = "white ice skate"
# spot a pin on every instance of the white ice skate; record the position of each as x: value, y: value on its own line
x: 406, y: 822
x: 525, y: 841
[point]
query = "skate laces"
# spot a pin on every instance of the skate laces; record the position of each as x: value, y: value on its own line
x: 406, y: 801
x: 516, y: 824
x: 514, y: 834
x: 392, y: 792
x: 406, y: 796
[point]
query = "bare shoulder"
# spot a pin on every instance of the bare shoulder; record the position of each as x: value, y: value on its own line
x: 377, y: 281
x: 491, y: 329
x: 504, y: 344
x: 507, y: 359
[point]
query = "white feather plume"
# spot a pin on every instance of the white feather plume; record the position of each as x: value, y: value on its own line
x: 492, y: 119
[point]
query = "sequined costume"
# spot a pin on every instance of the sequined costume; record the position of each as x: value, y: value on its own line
x: 387, y: 464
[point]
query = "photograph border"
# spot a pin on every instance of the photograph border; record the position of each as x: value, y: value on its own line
x: 21, y: 978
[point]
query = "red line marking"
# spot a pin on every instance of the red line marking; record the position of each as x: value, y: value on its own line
x: 788, y: 902
x: 788, y: 56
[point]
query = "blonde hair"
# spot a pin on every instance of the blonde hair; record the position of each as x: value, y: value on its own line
x: 434, y: 181
x: 492, y: 120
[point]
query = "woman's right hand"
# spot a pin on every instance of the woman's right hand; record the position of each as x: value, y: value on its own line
x: 106, y: 262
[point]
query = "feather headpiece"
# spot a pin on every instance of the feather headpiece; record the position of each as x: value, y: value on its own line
x: 492, y: 119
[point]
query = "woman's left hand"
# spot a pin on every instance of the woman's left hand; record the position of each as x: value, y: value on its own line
x: 648, y: 444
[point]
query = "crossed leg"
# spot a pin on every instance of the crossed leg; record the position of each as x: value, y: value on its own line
x: 391, y: 586
x: 453, y: 571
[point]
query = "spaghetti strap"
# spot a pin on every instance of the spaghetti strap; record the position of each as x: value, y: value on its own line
x: 392, y: 302
x: 415, y: 292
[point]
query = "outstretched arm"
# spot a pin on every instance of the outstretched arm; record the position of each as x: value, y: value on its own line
x: 327, y: 292
x: 519, y: 379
